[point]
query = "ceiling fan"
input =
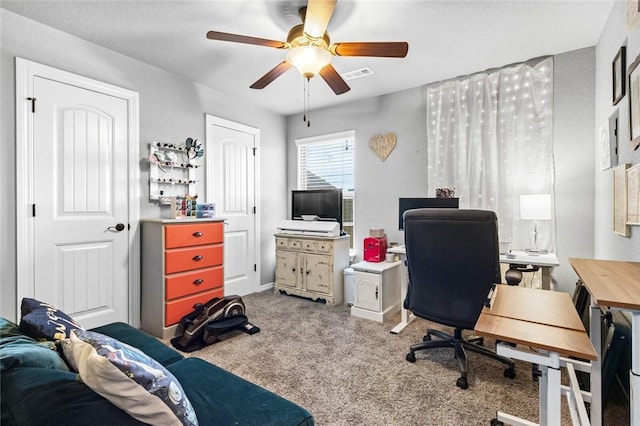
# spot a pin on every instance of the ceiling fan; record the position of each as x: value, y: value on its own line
x: 310, y: 47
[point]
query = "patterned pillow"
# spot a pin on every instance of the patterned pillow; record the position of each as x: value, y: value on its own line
x: 43, y: 321
x: 19, y: 350
x: 129, y: 378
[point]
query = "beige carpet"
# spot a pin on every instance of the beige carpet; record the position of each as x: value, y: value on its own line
x: 351, y: 371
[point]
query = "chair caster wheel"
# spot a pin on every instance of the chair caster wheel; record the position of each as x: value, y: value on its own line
x: 462, y: 383
x: 510, y: 373
x: 411, y: 357
x: 496, y: 422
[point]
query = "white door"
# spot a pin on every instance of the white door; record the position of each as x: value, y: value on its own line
x: 80, y: 193
x: 230, y: 156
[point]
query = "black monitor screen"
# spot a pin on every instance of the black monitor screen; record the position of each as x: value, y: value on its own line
x: 422, y: 203
x: 324, y: 203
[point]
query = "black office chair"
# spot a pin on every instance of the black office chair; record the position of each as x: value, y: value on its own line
x: 453, y: 261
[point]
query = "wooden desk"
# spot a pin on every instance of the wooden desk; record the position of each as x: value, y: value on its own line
x: 514, y: 315
x: 613, y: 285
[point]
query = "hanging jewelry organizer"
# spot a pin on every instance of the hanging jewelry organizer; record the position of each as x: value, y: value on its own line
x: 172, y: 169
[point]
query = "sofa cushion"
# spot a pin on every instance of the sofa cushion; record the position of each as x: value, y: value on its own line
x: 43, y: 321
x: 129, y: 378
x: 222, y: 398
x: 35, y: 397
x: 20, y: 350
x: 141, y: 340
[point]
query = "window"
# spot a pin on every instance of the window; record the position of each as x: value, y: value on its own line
x: 327, y: 162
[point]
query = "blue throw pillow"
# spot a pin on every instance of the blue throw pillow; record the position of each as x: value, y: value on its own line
x: 129, y: 378
x: 43, y: 321
x: 20, y: 350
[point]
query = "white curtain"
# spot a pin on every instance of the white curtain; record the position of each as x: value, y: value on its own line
x: 490, y: 136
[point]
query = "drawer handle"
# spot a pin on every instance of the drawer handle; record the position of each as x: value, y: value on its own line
x: 197, y: 234
x: 198, y: 281
x: 197, y: 258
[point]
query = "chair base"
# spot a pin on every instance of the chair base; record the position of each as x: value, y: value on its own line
x: 460, y: 345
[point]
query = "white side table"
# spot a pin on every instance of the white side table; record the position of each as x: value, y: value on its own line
x: 376, y: 290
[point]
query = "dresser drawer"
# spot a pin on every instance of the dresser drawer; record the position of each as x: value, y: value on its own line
x: 180, y: 260
x: 176, y: 309
x: 193, y: 234
x: 184, y: 284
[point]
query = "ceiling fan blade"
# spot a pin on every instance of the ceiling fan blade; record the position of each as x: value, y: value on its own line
x: 317, y: 18
x: 392, y: 49
x: 276, y: 72
x: 334, y: 80
x: 236, y: 38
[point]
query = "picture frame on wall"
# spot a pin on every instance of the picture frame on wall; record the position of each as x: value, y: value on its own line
x: 618, y: 67
x: 633, y: 195
x: 633, y: 14
x: 634, y: 103
x: 620, y: 226
x: 605, y: 146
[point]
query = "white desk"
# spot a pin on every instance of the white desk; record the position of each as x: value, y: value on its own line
x: 546, y: 262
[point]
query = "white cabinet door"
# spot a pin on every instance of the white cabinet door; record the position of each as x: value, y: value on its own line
x: 318, y: 273
x: 366, y: 292
x: 287, y: 268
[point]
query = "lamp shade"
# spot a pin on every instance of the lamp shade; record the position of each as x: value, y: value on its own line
x: 535, y: 207
x: 309, y: 59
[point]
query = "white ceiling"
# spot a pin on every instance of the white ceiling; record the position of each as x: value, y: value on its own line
x: 446, y: 38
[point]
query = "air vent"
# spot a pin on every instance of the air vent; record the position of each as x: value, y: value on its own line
x: 362, y: 72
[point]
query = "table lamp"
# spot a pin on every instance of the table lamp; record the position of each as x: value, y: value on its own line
x: 535, y: 207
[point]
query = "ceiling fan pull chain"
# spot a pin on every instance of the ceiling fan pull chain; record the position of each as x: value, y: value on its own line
x: 304, y: 100
x: 308, y: 103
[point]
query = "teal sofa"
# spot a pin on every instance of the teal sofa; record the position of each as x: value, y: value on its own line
x: 41, y: 393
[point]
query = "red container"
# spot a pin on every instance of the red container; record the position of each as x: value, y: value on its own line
x: 375, y: 249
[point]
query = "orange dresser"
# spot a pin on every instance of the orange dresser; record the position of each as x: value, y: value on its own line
x: 182, y: 264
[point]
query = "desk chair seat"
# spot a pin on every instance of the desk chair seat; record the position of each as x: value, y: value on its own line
x: 452, y: 258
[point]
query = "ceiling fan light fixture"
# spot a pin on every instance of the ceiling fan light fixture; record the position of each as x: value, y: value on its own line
x: 308, y: 59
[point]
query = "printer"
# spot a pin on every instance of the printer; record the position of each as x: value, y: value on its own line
x: 320, y: 228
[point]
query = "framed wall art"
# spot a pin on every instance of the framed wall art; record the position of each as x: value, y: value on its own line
x: 633, y: 14
x: 634, y: 103
x: 620, y: 226
x: 618, y: 67
x: 633, y: 195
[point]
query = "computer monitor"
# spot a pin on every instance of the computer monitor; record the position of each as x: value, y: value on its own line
x: 421, y: 203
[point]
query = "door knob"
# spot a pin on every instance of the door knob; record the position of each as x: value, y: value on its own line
x: 119, y: 227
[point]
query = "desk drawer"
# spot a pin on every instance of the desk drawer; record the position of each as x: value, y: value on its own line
x: 184, y: 284
x: 193, y: 234
x: 179, y: 260
x: 176, y: 309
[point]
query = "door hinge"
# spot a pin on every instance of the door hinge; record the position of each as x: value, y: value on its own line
x: 33, y: 210
x: 255, y: 268
x: 254, y: 209
x: 254, y: 151
x: 33, y: 104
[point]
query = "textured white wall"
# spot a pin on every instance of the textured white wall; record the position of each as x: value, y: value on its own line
x: 171, y: 108
x: 607, y: 244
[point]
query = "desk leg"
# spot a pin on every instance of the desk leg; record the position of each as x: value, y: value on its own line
x: 634, y: 374
x: 596, y: 366
x: 546, y: 277
x: 405, y: 315
x: 549, y: 386
x: 550, y: 401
